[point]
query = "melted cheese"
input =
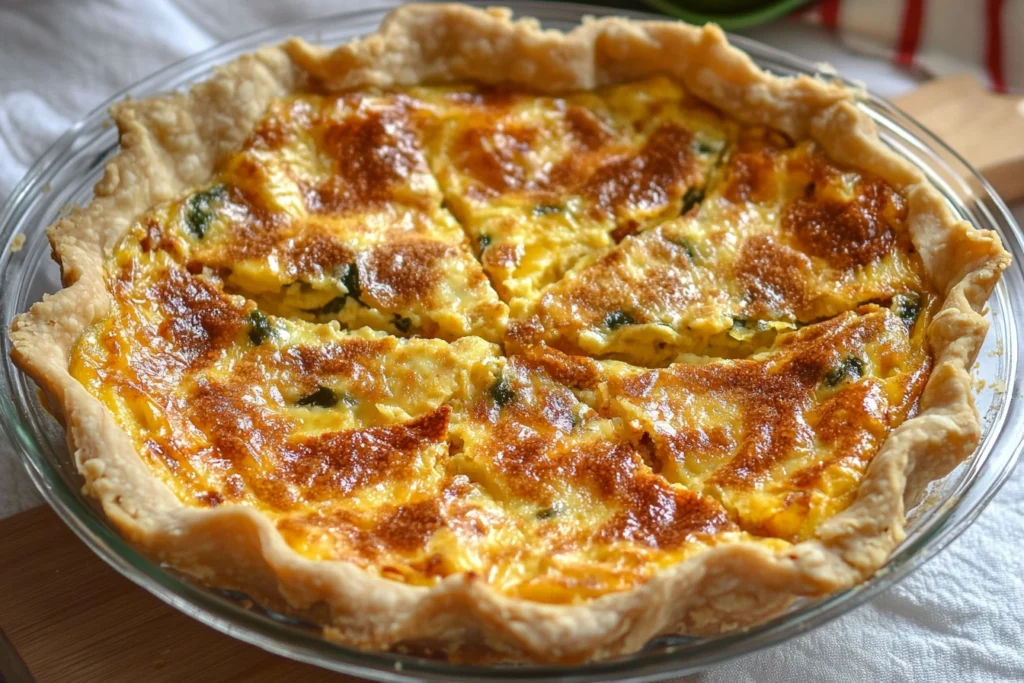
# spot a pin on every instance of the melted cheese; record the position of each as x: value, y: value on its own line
x: 329, y: 212
x: 783, y: 238
x: 783, y: 438
x: 320, y: 333
x: 543, y: 182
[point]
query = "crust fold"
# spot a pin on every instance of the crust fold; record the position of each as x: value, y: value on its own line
x: 173, y: 142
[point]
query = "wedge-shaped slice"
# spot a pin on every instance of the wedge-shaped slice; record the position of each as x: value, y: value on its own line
x: 542, y: 182
x: 334, y: 434
x: 583, y: 513
x: 783, y: 238
x: 782, y: 439
x: 330, y: 212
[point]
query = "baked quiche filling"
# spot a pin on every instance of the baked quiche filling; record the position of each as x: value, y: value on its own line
x: 555, y: 343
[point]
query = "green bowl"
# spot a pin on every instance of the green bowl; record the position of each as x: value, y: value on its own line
x: 729, y: 14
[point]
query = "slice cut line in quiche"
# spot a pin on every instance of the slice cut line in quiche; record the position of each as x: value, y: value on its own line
x: 498, y: 343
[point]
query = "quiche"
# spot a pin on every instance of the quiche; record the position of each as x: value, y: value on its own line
x: 498, y: 343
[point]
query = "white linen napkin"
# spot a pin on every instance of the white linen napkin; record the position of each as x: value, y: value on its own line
x: 959, y: 618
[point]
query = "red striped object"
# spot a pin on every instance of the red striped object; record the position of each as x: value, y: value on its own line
x: 940, y: 37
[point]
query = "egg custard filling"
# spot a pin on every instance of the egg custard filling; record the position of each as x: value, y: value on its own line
x: 712, y: 331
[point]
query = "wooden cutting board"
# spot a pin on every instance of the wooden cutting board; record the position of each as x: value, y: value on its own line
x: 985, y: 128
x: 66, y: 616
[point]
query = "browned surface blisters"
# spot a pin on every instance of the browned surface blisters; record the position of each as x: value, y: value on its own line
x: 271, y: 133
x: 751, y: 176
x: 538, y: 454
x: 496, y: 157
x: 200, y: 320
x: 330, y: 464
x: 503, y: 256
x: 852, y: 421
x: 773, y: 399
x: 399, y: 273
x: 315, y: 253
x: 774, y: 277
x: 578, y: 372
x: 579, y: 458
x: 539, y: 466
x: 255, y: 441
x: 243, y: 431
x: 332, y: 358
x: 589, y: 131
x: 155, y: 237
x: 499, y: 155
x: 848, y: 233
x: 357, y: 360
x: 391, y: 534
x: 659, y: 516
x: 647, y: 179
x: 714, y: 442
x: 646, y: 275
x: 254, y: 231
x: 373, y: 149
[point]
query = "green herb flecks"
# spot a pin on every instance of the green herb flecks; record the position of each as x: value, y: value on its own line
x: 851, y: 368
x: 548, y: 513
x: 350, y: 278
x: 199, y: 210
x: 259, y: 328
x: 333, y: 306
x: 617, y: 319
x: 693, y: 197
x: 687, y: 246
x: 502, y: 393
x: 323, y: 397
x: 907, y: 307
x: 705, y: 147
x: 402, y: 324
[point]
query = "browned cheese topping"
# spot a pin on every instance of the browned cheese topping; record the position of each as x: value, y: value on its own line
x: 556, y: 344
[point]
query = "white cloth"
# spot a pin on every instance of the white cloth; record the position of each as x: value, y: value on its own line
x: 959, y: 618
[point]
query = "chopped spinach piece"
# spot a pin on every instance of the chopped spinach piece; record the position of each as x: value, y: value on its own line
x: 693, y: 197
x: 483, y: 241
x: 402, y: 324
x: 333, y: 306
x: 687, y: 246
x: 259, y: 328
x: 199, y: 210
x: 739, y: 323
x: 907, y: 307
x: 502, y: 393
x: 617, y: 319
x: 546, y: 209
x: 323, y: 397
x: 548, y: 513
x: 704, y: 147
x: 350, y: 278
x: 851, y: 367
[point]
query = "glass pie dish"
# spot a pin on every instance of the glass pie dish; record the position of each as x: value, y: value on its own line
x: 65, y: 177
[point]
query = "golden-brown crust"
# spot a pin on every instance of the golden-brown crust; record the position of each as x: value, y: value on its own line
x: 171, y: 143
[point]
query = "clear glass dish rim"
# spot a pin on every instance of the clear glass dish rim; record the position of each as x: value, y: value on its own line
x: 276, y: 637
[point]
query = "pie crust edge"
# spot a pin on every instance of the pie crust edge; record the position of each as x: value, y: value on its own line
x: 173, y: 142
